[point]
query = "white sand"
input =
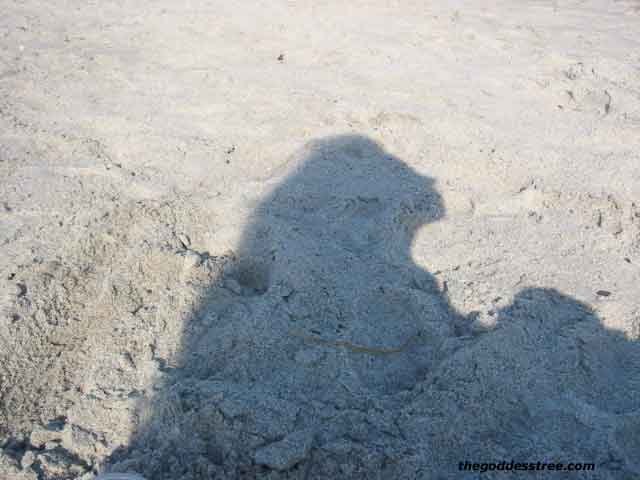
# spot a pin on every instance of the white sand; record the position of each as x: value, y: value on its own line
x: 318, y: 239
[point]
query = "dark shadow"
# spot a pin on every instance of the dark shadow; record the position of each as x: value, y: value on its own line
x: 548, y: 384
x: 321, y: 339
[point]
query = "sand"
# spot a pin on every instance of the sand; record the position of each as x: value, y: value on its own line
x: 319, y: 239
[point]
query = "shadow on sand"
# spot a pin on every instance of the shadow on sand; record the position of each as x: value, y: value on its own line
x: 323, y: 350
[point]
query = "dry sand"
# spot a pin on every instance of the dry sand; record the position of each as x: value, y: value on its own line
x: 319, y: 239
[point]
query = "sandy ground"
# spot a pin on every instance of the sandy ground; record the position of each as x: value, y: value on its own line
x: 319, y: 239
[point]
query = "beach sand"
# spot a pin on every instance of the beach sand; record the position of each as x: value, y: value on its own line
x: 299, y: 240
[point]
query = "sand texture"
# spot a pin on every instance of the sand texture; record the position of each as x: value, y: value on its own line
x: 319, y: 240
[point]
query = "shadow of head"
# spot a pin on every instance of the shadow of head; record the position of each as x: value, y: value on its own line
x: 342, y: 192
x: 546, y: 309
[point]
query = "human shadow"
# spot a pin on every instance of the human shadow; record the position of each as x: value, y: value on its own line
x: 321, y: 339
x: 548, y: 385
